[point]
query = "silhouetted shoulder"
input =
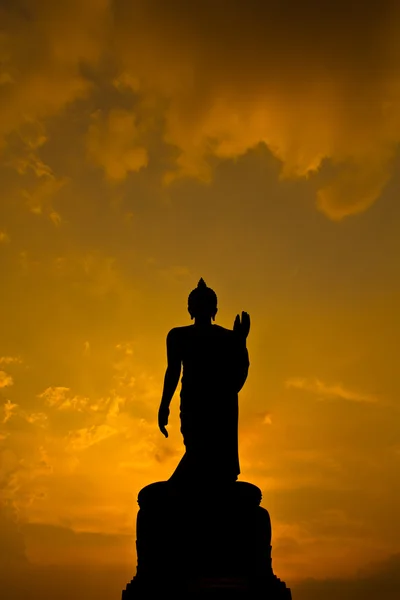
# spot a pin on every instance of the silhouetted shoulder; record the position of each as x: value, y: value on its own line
x: 176, y: 333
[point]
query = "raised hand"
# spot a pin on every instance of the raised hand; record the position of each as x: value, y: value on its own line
x: 242, y: 326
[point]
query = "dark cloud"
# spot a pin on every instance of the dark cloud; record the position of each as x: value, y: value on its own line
x: 12, y: 546
x: 53, y: 544
x: 221, y: 77
x: 82, y: 583
x: 83, y: 580
x: 312, y: 84
x: 381, y: 580
x: 80, y: 578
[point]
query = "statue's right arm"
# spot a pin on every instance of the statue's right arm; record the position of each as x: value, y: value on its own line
x: 173, y: 371
x: 241, y: 328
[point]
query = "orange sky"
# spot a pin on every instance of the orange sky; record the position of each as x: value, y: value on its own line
x: 144, y: 145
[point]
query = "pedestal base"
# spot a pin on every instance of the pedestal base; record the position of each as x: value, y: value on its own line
x: 199, y: 543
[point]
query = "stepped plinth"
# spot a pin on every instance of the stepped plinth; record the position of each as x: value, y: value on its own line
x: 204, y: 542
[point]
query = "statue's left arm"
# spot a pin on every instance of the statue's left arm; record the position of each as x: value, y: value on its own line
x: 171, y: 379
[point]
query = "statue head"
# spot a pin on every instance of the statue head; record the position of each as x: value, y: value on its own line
x: 202, y: 302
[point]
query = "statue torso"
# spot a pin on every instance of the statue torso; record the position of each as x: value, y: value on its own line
x: 208, y: 357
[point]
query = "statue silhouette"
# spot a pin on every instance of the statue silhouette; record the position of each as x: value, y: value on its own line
x: 215, y: 540
x: 215, y: 365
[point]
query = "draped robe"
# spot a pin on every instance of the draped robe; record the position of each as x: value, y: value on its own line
x: 215, y: 365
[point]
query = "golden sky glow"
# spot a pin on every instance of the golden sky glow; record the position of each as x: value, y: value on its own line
x: 144, y: 145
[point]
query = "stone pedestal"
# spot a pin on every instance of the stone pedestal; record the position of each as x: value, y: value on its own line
x: 204, y: 543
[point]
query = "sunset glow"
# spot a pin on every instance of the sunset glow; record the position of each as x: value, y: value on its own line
x: 144, y: 145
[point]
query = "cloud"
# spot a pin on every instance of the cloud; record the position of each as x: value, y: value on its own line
x: 12, y: 409
x: 77, y: 546
x: 363, y: 180
x: 22, y: 475
x: 267, y: 419
x: 316, y: 386
x: 114, y: 406
x: 380, y: 580
x: 38, y: 181
x: 102, y: 275
x: 113, y: 142
x: 12, y: 547
x: 140, y: 387
x: 9, y: 410
x: 57, y: 397
x: 9, y: 360
x: 62, y: 399
x: 43, y: 47
x: 316, y: 87
x: 286, y: 546
x: 312, y: 85
x: 79, y: 580
x: 39, y: 199
x: 174, y: 273
x: 5, y: 379
x: 125, y: 347
x: 81, y: 439
x: 38, y: 418
x: 4, y: 237
x: 87, y: 581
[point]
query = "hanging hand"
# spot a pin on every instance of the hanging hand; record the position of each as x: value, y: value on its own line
x: 163, y: 415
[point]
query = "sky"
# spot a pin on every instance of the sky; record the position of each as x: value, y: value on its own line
x: 146, y: 144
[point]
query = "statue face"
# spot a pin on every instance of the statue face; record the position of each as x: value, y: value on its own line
x: 202, y: 302
x: 202, y: 311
